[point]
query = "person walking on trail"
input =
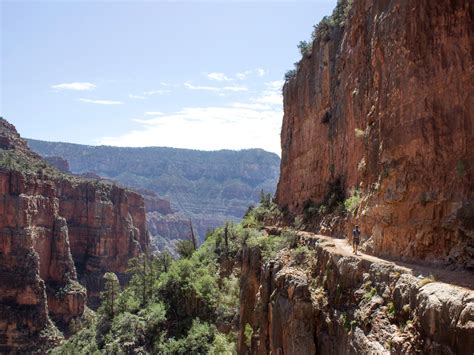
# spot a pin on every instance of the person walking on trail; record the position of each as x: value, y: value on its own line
x: 355, y: 239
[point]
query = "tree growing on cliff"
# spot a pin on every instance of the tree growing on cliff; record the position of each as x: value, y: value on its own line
x: 305, y: 47
x: 110, y: 294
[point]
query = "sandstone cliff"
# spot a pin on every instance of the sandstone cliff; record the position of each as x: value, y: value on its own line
x: 56, y: 230
x: 384, y: 104
x: 321, y: 299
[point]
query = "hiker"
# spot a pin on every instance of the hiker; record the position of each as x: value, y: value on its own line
x: 355, y: 239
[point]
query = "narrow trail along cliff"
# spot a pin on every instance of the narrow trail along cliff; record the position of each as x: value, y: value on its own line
x: 455, y: 278
x: 321, y: 298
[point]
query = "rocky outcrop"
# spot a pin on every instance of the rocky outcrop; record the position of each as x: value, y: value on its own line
x: 56, y: 230
x: 59, y: 163
x: 321, y: 299
x: 384, y: 104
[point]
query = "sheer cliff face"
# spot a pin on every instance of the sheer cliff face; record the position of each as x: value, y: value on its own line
x: 51, y: 225
x: 386, y: 104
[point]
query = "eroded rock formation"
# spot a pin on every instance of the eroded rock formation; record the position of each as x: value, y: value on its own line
x: 321, y: 299
x: 51, y: 225
x: 208, y: 187
x: 384, y: 104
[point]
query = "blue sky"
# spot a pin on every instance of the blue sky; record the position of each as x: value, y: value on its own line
x: 200, y: 75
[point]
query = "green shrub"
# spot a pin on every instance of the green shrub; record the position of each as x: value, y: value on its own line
x: 185, y: 248
x: 198, y: 340
x: 370, y: 294
x: 290, y: 74
x: 305, y: 47
x: 391, y: 309
x: 352, y: 203
x: 300, y: 253
x: 248, y: 333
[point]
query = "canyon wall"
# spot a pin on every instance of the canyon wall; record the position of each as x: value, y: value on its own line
x: 384, y: 105
x: 209, y: 188
x: 58, y: 234
x: 321, y: 299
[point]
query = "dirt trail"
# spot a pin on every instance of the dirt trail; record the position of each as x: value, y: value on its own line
x: 458, y: 278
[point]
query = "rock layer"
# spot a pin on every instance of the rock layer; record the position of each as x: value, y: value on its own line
x: 51, y: 225
x: 322, y: 300
x: 385, y: 104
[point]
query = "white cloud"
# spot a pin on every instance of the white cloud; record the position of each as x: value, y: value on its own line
x: 207, y: 88
x: 156, y: 92
x: 218, y: 77
x: 236, y: 126
x: 251, y: 123
x: 74, y: 86
x: 215, y: 88
x: 272, y: 96
x: 275, y: 85
x: 235, y: 88
x: 154, y: 113
x: 253, y: 106
x: 260, y: 72
x: 137, y: 97
x: 101, y: 102
x: 243, y: 75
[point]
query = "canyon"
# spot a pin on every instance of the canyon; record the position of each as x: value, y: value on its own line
x: 208, y: 188
x: 377, y: 131
x: 58, y: 235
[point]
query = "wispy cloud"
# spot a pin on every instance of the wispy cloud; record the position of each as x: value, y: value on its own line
x: 200, y: 87
x: 74, y: 86
x: 219, y: 128
x: 252, y: 123
x: 235, y: 88
x: 145, y: 94
x: 215, y: 88
x: 154, y: 113
x: 243, y: 75
x: 260, y: 72
x: 101, y: 102
x: 218, y: 76
x: 139, y: 97
x: 156, y: 92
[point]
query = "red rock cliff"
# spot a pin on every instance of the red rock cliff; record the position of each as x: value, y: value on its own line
x: 51, y: 225
x: 385, y: 104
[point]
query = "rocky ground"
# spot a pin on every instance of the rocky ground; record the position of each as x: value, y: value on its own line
x: 321, y: 298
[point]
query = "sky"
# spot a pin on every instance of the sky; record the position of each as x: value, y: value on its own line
x: 191, y: 74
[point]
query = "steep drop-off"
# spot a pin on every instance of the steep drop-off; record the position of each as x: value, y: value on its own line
x: 321, y: 299
x: 56, y: 230
x: 384, y: 104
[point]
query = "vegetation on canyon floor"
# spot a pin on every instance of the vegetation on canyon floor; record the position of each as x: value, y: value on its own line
x: 179, y: 306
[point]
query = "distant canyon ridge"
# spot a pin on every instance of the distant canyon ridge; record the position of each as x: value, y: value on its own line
x: 206, y: 187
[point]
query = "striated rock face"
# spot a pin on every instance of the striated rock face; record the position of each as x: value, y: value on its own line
x: 385, y: 105
x: 59, y: 163
x: 208, y: 187
x: 51, y: 225
x: 323, y: 300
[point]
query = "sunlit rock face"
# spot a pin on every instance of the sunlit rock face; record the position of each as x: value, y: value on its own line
x: 385, y: 104
x: 328, y: 301
x: 56, y: 230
